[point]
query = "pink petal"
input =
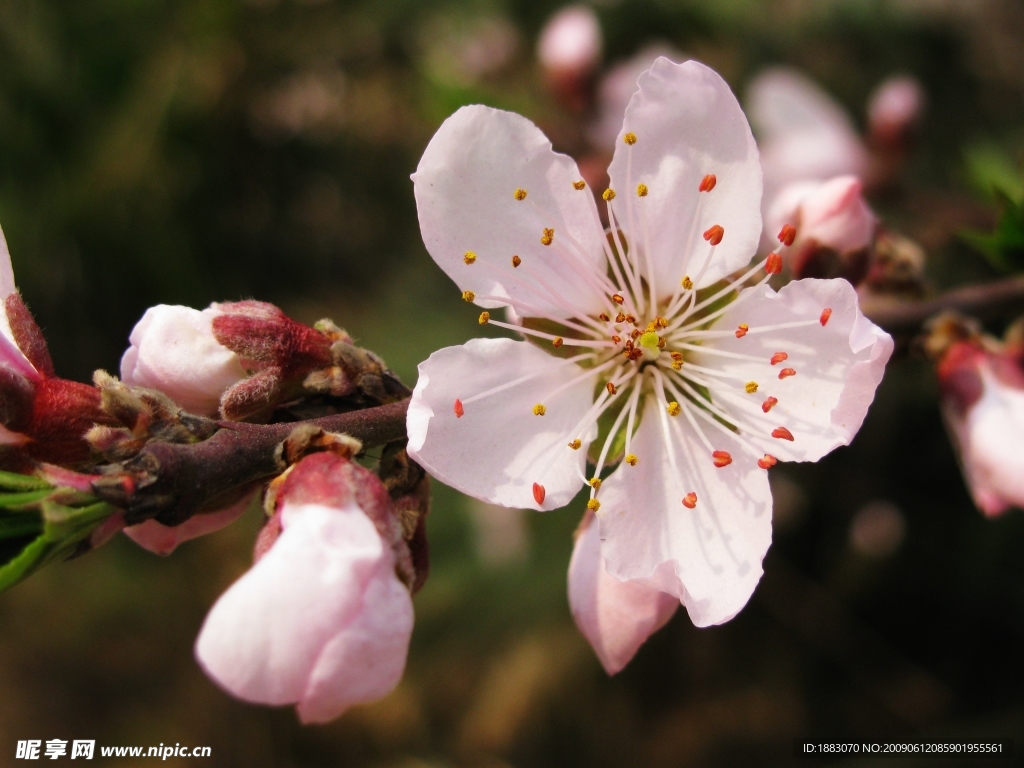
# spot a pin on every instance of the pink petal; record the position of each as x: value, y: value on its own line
x: 163, y: 539
x: 838, y: 366
x: 498, y: 449
x: 688, y: 124
x: 465, y: 189
x: 7, y: 286
x: 173, y: 350
x: 284, y: 631
x: 708, y: 557
x: 615, y: 616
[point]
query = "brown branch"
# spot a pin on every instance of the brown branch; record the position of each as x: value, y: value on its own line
x: 173, y: 481
x: 999, y: 299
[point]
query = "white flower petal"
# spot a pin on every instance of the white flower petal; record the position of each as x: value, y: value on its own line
x: 465, y: 189
x: 498, y: 449
x: 274, y: 637
x: 688, y: 124
x: 838, y: 366
x: 615, y: 616
x: 708, y: 557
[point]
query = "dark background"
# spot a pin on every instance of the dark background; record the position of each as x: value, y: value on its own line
x: 187, y: 152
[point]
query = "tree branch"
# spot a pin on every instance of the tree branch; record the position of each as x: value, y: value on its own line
x: 999, y: 299
x: 172, y: 481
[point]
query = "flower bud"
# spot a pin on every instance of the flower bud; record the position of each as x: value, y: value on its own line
x: 615, y: 616
x: 569, y: 50
x: 894, y: 111
x: 174, y: 350
x: 321, y: 620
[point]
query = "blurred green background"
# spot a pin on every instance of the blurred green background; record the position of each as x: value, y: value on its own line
x: 188, y: 152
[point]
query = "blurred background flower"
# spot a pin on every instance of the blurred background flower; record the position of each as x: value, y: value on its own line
x: 213, y: 150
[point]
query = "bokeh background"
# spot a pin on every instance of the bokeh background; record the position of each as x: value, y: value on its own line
x: 185, y: 152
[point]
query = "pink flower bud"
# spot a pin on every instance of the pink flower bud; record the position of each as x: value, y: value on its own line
x: 894, y: 110
x: 571, y: 41
x: 982, y: 396
x: 321, y: 620
x: 174, y: 350
x: 615, y: 616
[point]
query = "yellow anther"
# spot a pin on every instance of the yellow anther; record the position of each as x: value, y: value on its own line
x: 519, y: 194
x: 751, y: 387
x: 575, y: 445
x: 579, y: 184
x: 516, y: 261
x: 539, y: 409
x: 662, y: 343
x: 660, y: 322
x: 593, y: 505
x: 641, y: 190
x: 608, y: 195
x: 688, y: 283
x: 595, y: 482
x: 677, y: 365
x: 468, y: 295
x: 556, y: 342
x: 676, y: 356
x: 469, y: 257
x: 674, y: 408
x: 631, y: 459
x: 651, y: 327
x: 630, y: 138
x: 548, y: 237
x: 485, y: 317
x: 612, y: 389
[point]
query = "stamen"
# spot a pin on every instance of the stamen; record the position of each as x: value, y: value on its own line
x: 539, y: 409
x: 773, y: 264
x: 687, y: 283
x: 595, y: 483
x: 783, y: 434
x: 778, y: 357
x: 525, y: 309
x: 690, y: 499
x: 485, y: 317
x: 721, y: 458
x: 708, y: 183
x: 631, y: 459
x: 519, y: 194
x: 578, y: 185
x: 641, y: 190
x: 787, y: 372
x: 768, y: 404
x: 604, y: 316
x: 751, y: 387
x: 548, y: 237
x: 767, y: 462
x: 468, y: 295
x: 612, y: 433
x: 722, y: 352
x: 825, y: 315
x: 575, y: 445
x: 608, y: 195
x: 556, y: 342
x: 714, y: 235
x: 632, y: 272
x: 787, y: 234
x: 527, y: 377
x: 612, y: 389
x: 593, y: 505
x: 469, y: 257
x: 631, y: 419
x: 539, y: 493
x: 673, y: 408
x: 742, y: 330
x: 617, y: 298
x: 516, y: 261
x: 630, y: 138
x: 459, y: 410
x: 540, y: 335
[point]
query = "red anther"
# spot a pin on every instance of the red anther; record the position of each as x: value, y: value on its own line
x: 825, y: 315
x: 690, y: 499
x: 612, y: 389
x: 741, y: 330
x: 787, y: 234
x: 604, y: 316
x: 616, y: 339
x: 617, y: 298
x: 787, y: 372
x: 778, y: 357
x: 774, y: 264
x: 721, y: 458
x: 782, y: 434
x: 708, y: 183
x: 767, y: 462
x: 538, y: 493
x: 459, y: 410
x: 714, y: 235
x: 768, y: 404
